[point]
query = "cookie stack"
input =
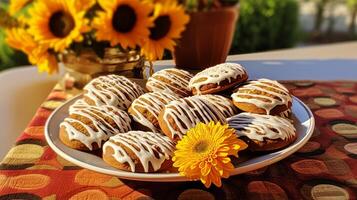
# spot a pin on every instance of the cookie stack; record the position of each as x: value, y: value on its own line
x: 138, y: 128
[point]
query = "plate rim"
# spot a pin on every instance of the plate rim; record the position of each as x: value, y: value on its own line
x: 176, y: 177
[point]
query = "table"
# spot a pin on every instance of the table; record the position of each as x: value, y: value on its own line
x: 325, y: 167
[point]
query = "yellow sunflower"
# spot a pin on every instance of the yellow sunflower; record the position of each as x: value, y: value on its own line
x: 19, y: 38
x: 203, y: 153
x: 124, y: 22
x: 57, y: 23
x: 17, y: 5
x: 163, y: 1
x: 169, y: 21
x: 84, y: 4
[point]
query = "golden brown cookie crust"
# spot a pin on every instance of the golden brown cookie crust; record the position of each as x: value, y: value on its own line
x: 176, y: 88
x: 248, y: 107
x: 74, y: 144
x: 268, y: 144
x: 165, y: 127
x: 108, y: 157
x: 212, y: 88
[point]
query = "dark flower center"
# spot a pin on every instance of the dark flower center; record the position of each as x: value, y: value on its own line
x: 201, y: 147
x: 161, y: 28
x: 124, y: 19
x: 61, y: 24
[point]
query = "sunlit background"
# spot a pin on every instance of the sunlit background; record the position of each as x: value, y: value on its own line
x: 263, y: 25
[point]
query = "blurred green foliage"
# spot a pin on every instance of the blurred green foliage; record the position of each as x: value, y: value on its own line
x: 8, y: 56
x: 265, y: 25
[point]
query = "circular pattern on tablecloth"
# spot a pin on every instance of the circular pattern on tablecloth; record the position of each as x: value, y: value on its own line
x: 307, y: 92
x: 23, y: 154
x: 325, y: 101
x: 321, y: 188
x: 351, y: 148
x: 337, y: 167
x: 91, y: 194
x: 329, y: 113
x: 311, y: 148
x: 304, y: 83
x: 91, y: 178
x: 351, y: 110
x: 327, y: 191
x: 327, y: 90
x: 28, y: 182
x: 345, y: 90
x: 309, y: 167
x: 35, y: 131
x: 345, y: 128
x: 195, y: 194
x: 265, y: 190
x: 51, y: 105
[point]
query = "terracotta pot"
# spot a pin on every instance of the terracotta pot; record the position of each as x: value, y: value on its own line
x: 207, y: 38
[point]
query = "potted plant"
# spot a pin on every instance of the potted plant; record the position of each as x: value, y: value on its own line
x: 92, y: 37
x: 208, y: 36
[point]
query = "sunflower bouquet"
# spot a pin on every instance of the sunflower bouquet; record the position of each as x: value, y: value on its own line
x: 46, y: 30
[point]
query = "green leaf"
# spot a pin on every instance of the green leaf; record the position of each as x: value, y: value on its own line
x: 266, y: 24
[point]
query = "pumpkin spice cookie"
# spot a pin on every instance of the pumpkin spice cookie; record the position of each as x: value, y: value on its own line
x: 223, y: 104
x: 78, y: 105
x: 113, y: 90
x: 180, y: 115
x: 218, y: 78
x: 170, y: 80
x: 263, y: 96
x: 86, y: 128
x: 139, y: 151
x: 263, y: 132
x: 145, y: 109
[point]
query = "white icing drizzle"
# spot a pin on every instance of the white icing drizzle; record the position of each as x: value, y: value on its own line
x: 217, y: 74
x: 189, y: 111
x: 153, y: 102
x: 113, y: 90
x: 99, y: 129
x: 282, y: 97
x: 224, y: 104
x: 78, y: 105
x: 152, y: 149
x: 258, y: 127
x: 177, y: 82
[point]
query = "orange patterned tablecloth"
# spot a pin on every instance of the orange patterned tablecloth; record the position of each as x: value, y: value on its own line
x: 325, y: 167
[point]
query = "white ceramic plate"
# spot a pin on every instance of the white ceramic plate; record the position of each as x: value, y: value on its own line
x: 304, y: 124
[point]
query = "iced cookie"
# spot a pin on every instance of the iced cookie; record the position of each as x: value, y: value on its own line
x: 138, y: 151
x: 180, y: 115
x: 263, y: 96
x: 170, y: 81
x: 145, y: 109
x: 113, y: 90
x: 86, y: 128
x: 218, y: 78
x: 223, y: 104
x: 263, y: 132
